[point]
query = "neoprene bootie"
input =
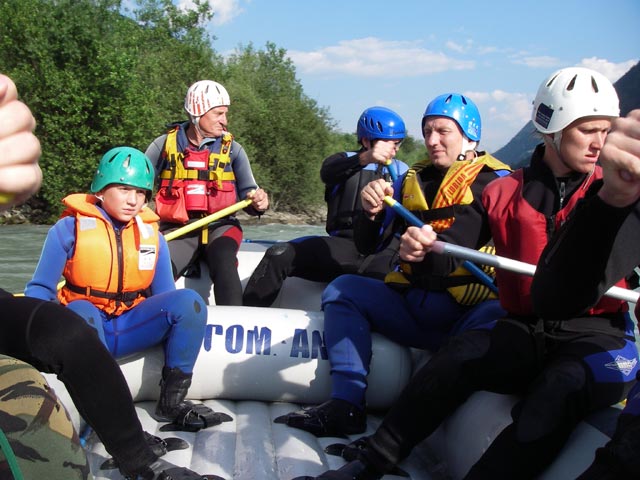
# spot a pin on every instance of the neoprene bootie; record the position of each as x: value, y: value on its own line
x: 334, y: 418
x: 163, y: 470
x: 182, y: 415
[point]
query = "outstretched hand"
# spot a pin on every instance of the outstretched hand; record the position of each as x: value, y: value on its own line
x: 620, y: 160
x: 20, y: 175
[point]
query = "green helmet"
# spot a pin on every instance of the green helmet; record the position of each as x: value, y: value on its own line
x: 124, y: 166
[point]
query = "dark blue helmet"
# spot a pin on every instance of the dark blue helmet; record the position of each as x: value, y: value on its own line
x: 380, y: 123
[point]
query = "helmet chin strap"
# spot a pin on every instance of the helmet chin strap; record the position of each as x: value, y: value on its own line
x: 557, y: 140
x: 467, y: 145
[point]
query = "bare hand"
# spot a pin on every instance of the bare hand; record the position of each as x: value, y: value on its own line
x: 20, y: 175
x: 416, y: 242
x: 620, y: 159
x: 372, y: 196
x: 382, y: 152
x: 259, y: 200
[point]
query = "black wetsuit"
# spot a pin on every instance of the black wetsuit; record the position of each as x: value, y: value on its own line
x: 560, y: 372
x: 597, y: 247
x: 54, y: 339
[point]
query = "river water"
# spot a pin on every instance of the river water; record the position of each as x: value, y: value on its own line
x: 20, y: 247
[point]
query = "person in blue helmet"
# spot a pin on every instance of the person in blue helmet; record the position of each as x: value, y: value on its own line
x: 118, y: 277
x: 562, y: 369
x: 380, y: 132
x: 595, y: 249
x: 421, y: 302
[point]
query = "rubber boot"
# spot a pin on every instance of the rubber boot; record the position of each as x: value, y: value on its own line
x: 183, y: 415
x: 163, y: 470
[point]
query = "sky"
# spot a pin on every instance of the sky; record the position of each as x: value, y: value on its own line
x: 353, y: 54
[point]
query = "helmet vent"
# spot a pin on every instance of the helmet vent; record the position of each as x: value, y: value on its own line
x: 127, y: 161
x: 594, y: 84
x: 552, y: 80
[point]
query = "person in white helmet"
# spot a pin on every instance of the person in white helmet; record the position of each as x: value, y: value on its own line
x: 563, y: 370
x: 202, y: 170
x: 574, y: 273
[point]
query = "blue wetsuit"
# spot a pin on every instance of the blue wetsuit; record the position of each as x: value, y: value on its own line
x: 175, y: 318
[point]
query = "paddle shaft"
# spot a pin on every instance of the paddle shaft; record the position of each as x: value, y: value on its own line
x: 486, y: 280
x: 495, y: 261
x: 208, y: 219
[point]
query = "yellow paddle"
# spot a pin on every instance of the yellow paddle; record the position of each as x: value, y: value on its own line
x: 208, y: 219
x: 192, y: 226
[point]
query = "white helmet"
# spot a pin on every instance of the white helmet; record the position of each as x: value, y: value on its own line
x: 204, y: 95
x: 570, y: 94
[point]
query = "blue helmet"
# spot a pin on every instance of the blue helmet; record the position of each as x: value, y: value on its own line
x: 380, y: 123
x: 458, y: 108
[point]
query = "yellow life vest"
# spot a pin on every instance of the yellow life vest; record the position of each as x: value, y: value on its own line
x: 455, y: 189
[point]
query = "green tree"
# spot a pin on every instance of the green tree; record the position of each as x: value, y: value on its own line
x: 286, y: 134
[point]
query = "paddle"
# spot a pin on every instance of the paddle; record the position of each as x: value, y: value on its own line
x: 392, y: 172
x: 495, y: 261
x: 208, y: 219
x: 486, y: 280
x: 192, y: 226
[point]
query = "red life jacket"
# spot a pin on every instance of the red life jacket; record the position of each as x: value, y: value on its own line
x: 520, y: 232
x: 199, y: 182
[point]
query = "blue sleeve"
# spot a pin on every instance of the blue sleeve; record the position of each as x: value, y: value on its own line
x: 57, y: 249
x: 163, y: 278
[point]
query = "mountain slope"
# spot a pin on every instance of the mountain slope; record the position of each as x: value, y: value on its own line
x: 517, y: 152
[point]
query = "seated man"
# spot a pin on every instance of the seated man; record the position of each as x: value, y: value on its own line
x: 421, y: 304
x: 380, y: 132
x: 595, y: 249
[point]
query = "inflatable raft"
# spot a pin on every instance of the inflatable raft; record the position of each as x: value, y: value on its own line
x: 259, y: 363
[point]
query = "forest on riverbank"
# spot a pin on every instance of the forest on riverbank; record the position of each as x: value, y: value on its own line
x: 97, y: 75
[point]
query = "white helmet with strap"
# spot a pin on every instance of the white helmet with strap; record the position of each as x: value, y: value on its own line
x: 570, y: 94
x: 204, y: 95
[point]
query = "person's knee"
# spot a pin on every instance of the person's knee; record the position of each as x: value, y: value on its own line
x: 277, y: 258
x: 554, y: 404
x: 341, y: 287
x: 188, y: 304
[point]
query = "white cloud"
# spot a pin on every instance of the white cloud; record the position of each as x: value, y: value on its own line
x: 372, y: 57
x: 613, y: 71
x: 538, y: 62
x: 224, y: 10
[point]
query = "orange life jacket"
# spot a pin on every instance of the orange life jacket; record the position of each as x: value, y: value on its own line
x: 112, y: 270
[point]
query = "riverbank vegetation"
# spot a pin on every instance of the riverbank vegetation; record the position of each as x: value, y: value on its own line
x: 97, y: 75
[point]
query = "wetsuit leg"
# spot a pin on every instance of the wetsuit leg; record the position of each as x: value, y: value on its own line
x: 55, y: 340
x: 176, y: 318
x: 501, y: 360
x: 184, y: 252
x: 267, y: 278
x: 91, y: 314
x: 221, y: 255
x: 580, y: 376
x: 354, y: 306
x: 619, y: 458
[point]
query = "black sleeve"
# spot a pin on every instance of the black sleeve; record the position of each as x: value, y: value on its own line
x: 592, y: 251
x: 367, y: 233
x: 337, y: 168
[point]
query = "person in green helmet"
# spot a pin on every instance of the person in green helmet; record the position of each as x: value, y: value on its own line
x: 37, y: 438
x: 116, y: 265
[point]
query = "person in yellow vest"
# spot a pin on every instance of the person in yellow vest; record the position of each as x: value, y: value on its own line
x: 563, y: 366
x: 118, y: 278
x: 420, y: 304
x: 202, y: 170
x: 37, y: 438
